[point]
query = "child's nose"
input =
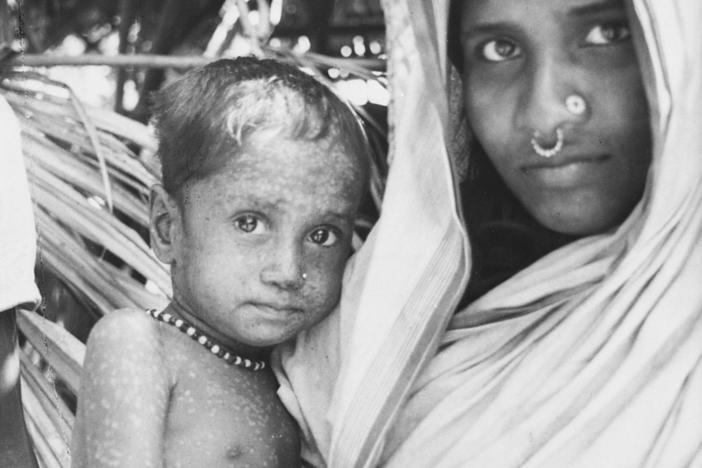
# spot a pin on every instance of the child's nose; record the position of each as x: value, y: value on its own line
x: 284, y: 268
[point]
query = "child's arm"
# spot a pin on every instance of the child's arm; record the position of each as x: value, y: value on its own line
x: 124, y: 395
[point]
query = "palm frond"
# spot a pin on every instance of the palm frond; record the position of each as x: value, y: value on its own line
x: 80, y: 163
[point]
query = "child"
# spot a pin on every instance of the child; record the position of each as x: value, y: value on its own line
x: 263, y: 172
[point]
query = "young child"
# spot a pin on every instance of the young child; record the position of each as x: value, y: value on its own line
x: 263, y: 172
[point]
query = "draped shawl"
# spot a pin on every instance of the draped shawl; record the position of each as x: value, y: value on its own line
x: 589, y: 357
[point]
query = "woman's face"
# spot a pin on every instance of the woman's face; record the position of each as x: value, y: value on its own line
x: 527, y: 64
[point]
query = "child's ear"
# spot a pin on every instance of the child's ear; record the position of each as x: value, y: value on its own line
x: 164, y: 220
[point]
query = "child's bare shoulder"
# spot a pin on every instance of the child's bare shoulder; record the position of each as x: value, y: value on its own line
x: 124, y: 391
x: 124, y: 324
x: 129, y: 336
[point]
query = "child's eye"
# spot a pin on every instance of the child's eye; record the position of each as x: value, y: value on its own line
x: 248, y: 223
x: 608, y: 33
x: 498, y: 50
x: 323, y: 236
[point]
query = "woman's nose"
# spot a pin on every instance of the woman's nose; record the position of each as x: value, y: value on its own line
x: 284, y: 267
x: 551, y: 99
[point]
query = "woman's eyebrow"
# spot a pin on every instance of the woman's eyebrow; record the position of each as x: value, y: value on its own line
x: 482, y: 28
x: 597, y: 7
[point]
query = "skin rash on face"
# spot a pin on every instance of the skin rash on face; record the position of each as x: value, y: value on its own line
x: 261, y: 245
x: 523, y: 59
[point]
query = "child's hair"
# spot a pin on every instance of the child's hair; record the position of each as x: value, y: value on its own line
x: 204, y: 118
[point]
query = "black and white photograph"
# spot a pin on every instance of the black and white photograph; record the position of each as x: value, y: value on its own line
x: 350, y: 233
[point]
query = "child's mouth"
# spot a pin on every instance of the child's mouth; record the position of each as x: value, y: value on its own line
x: 276, y: 310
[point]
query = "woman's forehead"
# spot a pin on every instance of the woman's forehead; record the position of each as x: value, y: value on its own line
x: 478, y: 11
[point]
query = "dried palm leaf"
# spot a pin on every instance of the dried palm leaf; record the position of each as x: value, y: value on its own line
x: 90, y: 190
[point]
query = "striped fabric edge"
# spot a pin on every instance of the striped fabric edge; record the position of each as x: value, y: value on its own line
x: 412, y: 342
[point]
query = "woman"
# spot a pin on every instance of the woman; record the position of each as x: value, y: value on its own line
x: 589, y: 353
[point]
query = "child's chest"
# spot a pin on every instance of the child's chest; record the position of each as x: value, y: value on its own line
x: 224, y: 416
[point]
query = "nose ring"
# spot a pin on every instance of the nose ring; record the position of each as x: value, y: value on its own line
x: 548, y: 152
x: 304, y: 276
x: 576, y: 104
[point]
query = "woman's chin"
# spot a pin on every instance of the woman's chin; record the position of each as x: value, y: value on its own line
x: 586, y: 211
x: 578, y: 221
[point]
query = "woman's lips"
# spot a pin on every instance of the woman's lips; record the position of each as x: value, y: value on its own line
x: 565, y: 171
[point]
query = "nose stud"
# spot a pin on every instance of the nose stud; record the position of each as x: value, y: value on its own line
x: 283, y: 277
x: 547, y: 152
x: 576, y: 104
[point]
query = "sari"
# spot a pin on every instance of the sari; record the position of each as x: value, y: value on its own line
x: 592, y: 356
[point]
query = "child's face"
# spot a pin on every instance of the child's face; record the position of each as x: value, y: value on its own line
x: 524, y: 58
x: 262, y: 244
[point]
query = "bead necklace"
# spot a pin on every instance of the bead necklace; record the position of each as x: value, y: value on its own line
x: 212, y: 345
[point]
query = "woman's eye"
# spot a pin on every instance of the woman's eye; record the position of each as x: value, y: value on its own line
x: 248, y: 224
x: 324, y: 236
x: 498, y: 50
x: 608, y: 33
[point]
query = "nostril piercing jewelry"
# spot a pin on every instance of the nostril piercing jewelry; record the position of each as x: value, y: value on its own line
x: 575, y: 104
x: 547, y: 152
x: 304, y: 276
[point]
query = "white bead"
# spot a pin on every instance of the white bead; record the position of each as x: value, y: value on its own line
x: 178, y: 323
x: 190, y: 331
x: 214, y: 349
x: 202, y: 340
